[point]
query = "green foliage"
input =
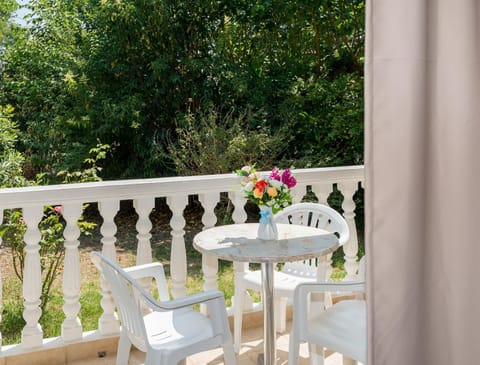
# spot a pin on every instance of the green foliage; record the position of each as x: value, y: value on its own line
x: 12, y: 322
x: 326, y: 118
x: 211, y: 144
x: 36, y: 69
x: 11, y: 161
x: 132, y: 74
x: 90, y: 169
x: 7, y: 7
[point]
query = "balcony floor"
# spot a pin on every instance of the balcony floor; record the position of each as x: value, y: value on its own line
x: 252, y: 346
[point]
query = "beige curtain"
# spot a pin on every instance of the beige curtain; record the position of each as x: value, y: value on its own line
x: 422, y: 160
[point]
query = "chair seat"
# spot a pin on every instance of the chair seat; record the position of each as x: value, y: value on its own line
x: 180, y: 328
x: 284, y: 283
x: 335, y: 327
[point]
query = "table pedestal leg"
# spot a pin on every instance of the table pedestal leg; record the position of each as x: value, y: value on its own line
x: 268, y: 315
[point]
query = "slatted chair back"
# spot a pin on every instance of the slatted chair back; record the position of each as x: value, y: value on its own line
x: 312, y: 215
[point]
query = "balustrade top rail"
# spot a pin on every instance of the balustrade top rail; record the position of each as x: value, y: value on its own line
x: 165, y: 186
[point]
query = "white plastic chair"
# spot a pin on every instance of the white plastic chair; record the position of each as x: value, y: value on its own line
x: 341, y: 328
x: 292, y: 273
x: 167, y: 330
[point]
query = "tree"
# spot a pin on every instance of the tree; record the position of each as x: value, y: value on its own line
x: 7, y: 7
x: 130, y: 73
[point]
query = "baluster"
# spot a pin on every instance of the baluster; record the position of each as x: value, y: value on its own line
x: 240, y: 216
x: 209, y: 262
x: 298, y: 192
x: 143, y: 207
x: 322, y: 192
x: 32, y: 334
x: 71, y: 326
x: 238, y: 200
x: 178, y: 258
x: 108, y: 322
x: 350, y: 248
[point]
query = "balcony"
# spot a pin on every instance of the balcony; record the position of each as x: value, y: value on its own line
x: 74, y: 344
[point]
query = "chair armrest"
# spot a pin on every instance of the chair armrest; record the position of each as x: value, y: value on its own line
x: 301, y: 296
x: 152, y: 270
x: 188, y: 301
x: 146, y: 270
x: 214, y: 299
x: 156, y: 271
x: 346, y: 286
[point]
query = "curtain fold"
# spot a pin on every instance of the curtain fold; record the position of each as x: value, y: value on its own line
x: 422, y: 159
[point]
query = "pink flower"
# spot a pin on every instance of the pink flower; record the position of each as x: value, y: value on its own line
x: 57, y: 208
x: 288, y: 179
x: 275, y: 174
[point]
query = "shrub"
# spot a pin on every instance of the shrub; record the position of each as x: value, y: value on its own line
x: 209, y: 143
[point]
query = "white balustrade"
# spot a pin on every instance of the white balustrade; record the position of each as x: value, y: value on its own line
x: 108, y: 322
x: 299, y: 192
x: 209, y: 262
x: 238, y: 200
x: 143, y: 193
x: 32, y: 334
x: 350, y: 249
x: 178, y: 255
x: 71, y: 326
x: 322, y: 192
x: 143, y: 207
x: 239, y: 215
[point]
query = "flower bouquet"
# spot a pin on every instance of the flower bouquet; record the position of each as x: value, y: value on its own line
x: 271, y: 194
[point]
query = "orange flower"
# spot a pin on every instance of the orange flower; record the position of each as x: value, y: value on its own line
x: 272, y: 192
x: 258, y: 193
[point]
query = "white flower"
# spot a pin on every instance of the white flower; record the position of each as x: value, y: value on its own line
x: 249, y: 186
x: 247, y: 169
x: 276, y: 184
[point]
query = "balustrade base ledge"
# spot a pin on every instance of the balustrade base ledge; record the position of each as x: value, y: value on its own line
x: 55, y: 351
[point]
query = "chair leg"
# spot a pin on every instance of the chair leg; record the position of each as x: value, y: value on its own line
x: 238, y: 319
x: 293, y: 350
x: 317, y: 354
x: 280, y: 314
x: 229, y: 354
x: 123, y: 349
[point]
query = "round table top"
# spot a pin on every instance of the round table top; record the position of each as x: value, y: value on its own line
x: 239, y: 242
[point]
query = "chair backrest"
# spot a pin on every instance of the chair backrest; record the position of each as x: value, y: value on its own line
x: 316, y: 215
x: 127, y: 294
x: 312, y: 215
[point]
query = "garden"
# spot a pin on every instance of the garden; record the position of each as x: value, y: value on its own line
x: 107, y: 90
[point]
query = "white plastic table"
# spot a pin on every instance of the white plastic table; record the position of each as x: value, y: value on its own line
x: 239, y: 242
